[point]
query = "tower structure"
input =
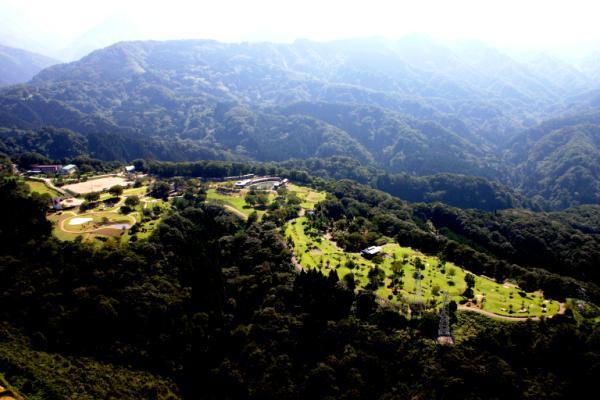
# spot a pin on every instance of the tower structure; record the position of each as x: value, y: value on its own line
x: 444, y: 334
x: 417, y: 303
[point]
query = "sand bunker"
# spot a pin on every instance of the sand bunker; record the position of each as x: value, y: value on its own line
x: 118, y: 226
x: 79, y: 221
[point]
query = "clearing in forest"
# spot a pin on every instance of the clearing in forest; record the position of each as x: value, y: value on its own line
x: 235, y: 200
x: 397, y: 267
x: 105, y: 219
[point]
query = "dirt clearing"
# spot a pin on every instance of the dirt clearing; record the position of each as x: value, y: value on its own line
x: 96, y: 185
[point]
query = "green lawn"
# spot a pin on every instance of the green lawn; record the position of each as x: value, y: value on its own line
x: 322, y: 254
x: 41, y: 187
x: 97, y: 227
x: 145, y: 224
x: 308, y: 196
x: 235, y: 200
x: 99, y: 218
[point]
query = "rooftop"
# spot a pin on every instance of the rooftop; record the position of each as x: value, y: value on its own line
x: 372, y: 250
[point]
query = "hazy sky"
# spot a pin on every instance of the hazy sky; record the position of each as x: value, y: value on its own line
x: 54, y: 25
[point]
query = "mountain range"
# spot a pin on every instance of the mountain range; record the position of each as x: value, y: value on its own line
x: 413, y: 106
x: 19, y: 66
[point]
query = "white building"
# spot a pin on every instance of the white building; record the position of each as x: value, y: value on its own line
x: 68, y: 169
x: 242, y: 184
x: 371, y: 251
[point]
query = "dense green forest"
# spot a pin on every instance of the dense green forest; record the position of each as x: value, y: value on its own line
x: 210, y: 305
x: 374, y: 101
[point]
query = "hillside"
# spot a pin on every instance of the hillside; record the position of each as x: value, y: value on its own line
x: 414, y: 106
x: 19, y: 66
x: 209, y: 305
x: 559, y: 160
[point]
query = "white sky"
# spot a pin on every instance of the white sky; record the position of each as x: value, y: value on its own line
x: 55, y: 24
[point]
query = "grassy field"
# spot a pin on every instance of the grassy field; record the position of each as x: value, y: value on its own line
x: 97, y: 229
x: 309, y: 198
x: 235, y: 200
x: 315, y: 251
x: 98, y: 226
x: 41, y: 187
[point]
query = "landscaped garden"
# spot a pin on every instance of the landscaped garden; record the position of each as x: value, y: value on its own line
x: 124, y: 215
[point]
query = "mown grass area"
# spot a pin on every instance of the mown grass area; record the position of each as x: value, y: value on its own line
x: 98, y: 219
x: 315, y: 251
x: 97, y: 227
x: 41, y: 187
x: 235, y: 200
x: 309, y: 197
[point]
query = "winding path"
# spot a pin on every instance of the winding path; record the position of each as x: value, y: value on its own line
x: 235, y: 211
x: 62, y: 225
x: 561, y: 310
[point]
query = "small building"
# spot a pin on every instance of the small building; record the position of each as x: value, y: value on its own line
x: 130, y: 169
x: 70, y: 202
x: 56, y: 203
x: 242, y: 184
x: 279, y: 184
x: 371, y: 251
x: 46, y: 169
x: 68, y: 169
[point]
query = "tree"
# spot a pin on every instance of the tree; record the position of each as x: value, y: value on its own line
x: 132, y: 201
x: 6, y: 168
x: 250, y: 198
x: 140, y: 165
x: 92, y: 196
x: 349, y: 281
x: 262, y: 199
x: 398, y: 268
x: 257, y: 199
x: 160, y: 190
x: 293, y: 199
x: 419, y: 265
x: 470, y: 281
x: 116, y: 190
x: 253, y: 218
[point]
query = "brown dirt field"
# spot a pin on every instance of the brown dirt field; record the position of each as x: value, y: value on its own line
x: 96, y: 185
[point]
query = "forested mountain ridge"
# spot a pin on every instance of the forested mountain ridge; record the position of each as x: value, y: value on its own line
x: 560, y: 159
x: 19, y: 66
x: 413, y: 106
